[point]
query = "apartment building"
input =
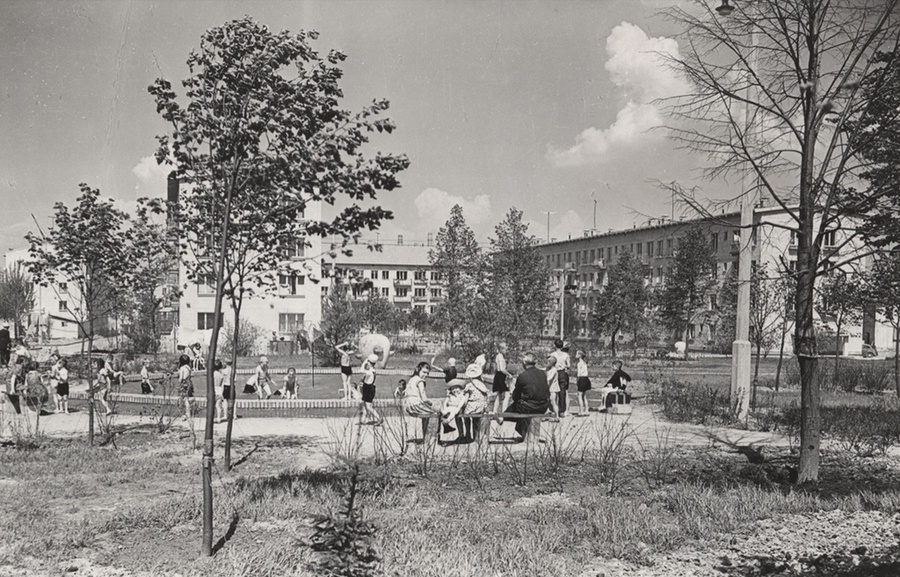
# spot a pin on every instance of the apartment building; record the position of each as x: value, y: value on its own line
x: 580, y: 265
x: 400, y: 272
x: 51, y: 316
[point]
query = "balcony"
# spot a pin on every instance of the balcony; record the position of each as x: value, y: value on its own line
x: 420, y: 298
x: 402, y: 283
x: 402, y: 299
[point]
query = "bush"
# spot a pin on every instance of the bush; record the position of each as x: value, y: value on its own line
x: 248, y: 335
x: 683, y: 402
x: 852, y: 375
x: 866, y: 431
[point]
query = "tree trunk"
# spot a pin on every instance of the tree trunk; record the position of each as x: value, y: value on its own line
x: 838, y: 349
x: 897, y: 360
x: 612, y: 343
x: 90, y: 367
x: 231, y: 398
x: 780, y: 354
x: 687, y: 329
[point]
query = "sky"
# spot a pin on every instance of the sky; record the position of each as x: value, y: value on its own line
x: 546, y: 106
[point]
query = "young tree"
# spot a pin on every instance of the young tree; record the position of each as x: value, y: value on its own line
x: 726, y: 309
x: 883, y: 290
x: 457, y: 257
x: 88, y: 248
x: 262, y: 137
x: 519, y: 292
x: 687, y: 286
x: 775, y: 85
x: 766, y: 315
x: 624, y: 301
x: 376, y: 313
x: 840, y: 298
x: 16, y: 294
x: 155, y: 248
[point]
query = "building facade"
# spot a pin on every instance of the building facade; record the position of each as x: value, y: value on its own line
x: 580, y: 268
x: 51, y: 316
x: 399, y: 272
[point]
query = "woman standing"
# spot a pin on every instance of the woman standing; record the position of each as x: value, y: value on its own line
x: 563, y: 364
x: 415, y: 401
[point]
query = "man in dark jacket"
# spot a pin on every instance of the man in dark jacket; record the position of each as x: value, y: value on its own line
x: 5, y: 346
x: 531, y: 394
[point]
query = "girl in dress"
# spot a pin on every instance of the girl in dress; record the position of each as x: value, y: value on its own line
x: 185, y: 384
x: 553, y: 381
x: 219, y: 387
x: 415, y: 401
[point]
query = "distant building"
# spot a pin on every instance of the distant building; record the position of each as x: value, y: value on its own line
x: 400, y: 272
x: 51, y: 317
x: 582, y: 264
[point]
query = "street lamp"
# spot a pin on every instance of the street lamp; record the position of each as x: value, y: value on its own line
x: 740, y: 349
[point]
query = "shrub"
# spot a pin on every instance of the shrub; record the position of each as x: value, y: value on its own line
x: 852, y: 375
x: 683, y: 402
x: 865, y: 431
x: 248, y: 335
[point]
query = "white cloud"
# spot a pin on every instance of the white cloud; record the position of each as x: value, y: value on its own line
x: 637, y: 67
x: 433, y: 206
x: 150, y: 174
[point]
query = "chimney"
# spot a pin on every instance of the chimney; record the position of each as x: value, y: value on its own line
x: 172, y: 195
x: 430, y: 239
x: 399, y: 239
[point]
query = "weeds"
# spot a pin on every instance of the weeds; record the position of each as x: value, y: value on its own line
x: 657, y: 458
x: 683, y: 402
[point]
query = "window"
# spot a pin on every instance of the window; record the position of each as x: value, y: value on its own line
x: 385, y: 292
x: 290, y: 283
x: 373, y: 275
x: 616, y: 249
x: 431, y: 309
x: 401, y: 275
x: 206, y: 284
x: 436, y: 276
x: 63, y: 288
x: 650, y: 248
x: 640, y: 249
x: 659, y: 247
x: 205, y: 320
x: 419, y: 308
x: 609, y: 252
x: 293, y: 249
x: 420, y: 292
x: 290, y: 322
x: 829, y: 238
x: 592, y: 255
x: 63, y: 306
x: 669, y: 244
x: 420, y: 274
x: 436, y: 293
x: 631, y: 248
x: 385, y: 275
x: 402, y: 292
x: 714, y: 237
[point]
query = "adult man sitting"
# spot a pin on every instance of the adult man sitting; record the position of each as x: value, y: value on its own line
x: 531, y: 394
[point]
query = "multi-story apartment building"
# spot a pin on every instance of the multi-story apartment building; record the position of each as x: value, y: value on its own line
x: 581, y: 265
x: 51, y: 316
x: 399, y: 272
x: 282, y: 313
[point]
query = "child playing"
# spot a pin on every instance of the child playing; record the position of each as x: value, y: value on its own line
x: 103, y: 384
x: 456, y: 400
x: 583, y: 382
x: 345, y: 349
x: 553, y: 381
x: 368, y: 393
x: 219, y: 386
x: 290, y: 385
x: 400, y: 391
x: 146, y: 387
x: 62, y: 385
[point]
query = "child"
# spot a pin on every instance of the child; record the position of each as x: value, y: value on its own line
x: 368, y: 393
x: 456, y: 400
x: 54, y: 380
x: 62, y: 385
x: 219, y: 386
x: 116, y: 376
x: 290, y: 384
x: 146, y: 387
x: 563, y: 362
x: 500, y: 386
x: 345, y: 349
x: 262, y: 378
x: 103, y: 384
x: 185, y: 385
x: 583, y: 383
x: 400, y: 391
x: 553, y: 381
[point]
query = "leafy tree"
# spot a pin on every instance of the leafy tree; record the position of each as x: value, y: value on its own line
x: 340, y: 322
x: 519, y: 290
x: 155, y: 249
x: 688, y: 284
x: 457, y: 257
x: 773, y: 96
x: 726, y: 308
x: 624, y: 301
x: 840, y: 298
x: 883, y: 290
x: 16, y: 294
x: 262, y: 137
x: 88, y: 248
x: 376, y: 313
x: 876, y: 134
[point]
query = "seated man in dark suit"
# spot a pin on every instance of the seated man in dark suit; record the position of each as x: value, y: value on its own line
x: 531, y: 394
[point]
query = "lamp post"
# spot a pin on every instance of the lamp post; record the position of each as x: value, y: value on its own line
x: 548, y: 213
x: 740, y: 348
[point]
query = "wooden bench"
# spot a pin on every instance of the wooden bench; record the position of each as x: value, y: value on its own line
x: 484, y: 422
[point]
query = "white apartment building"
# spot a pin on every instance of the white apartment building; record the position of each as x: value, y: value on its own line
x: 51, y: 317
x: 400, y: 272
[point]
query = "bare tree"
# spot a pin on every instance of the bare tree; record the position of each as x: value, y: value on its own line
x: 776, y: 84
